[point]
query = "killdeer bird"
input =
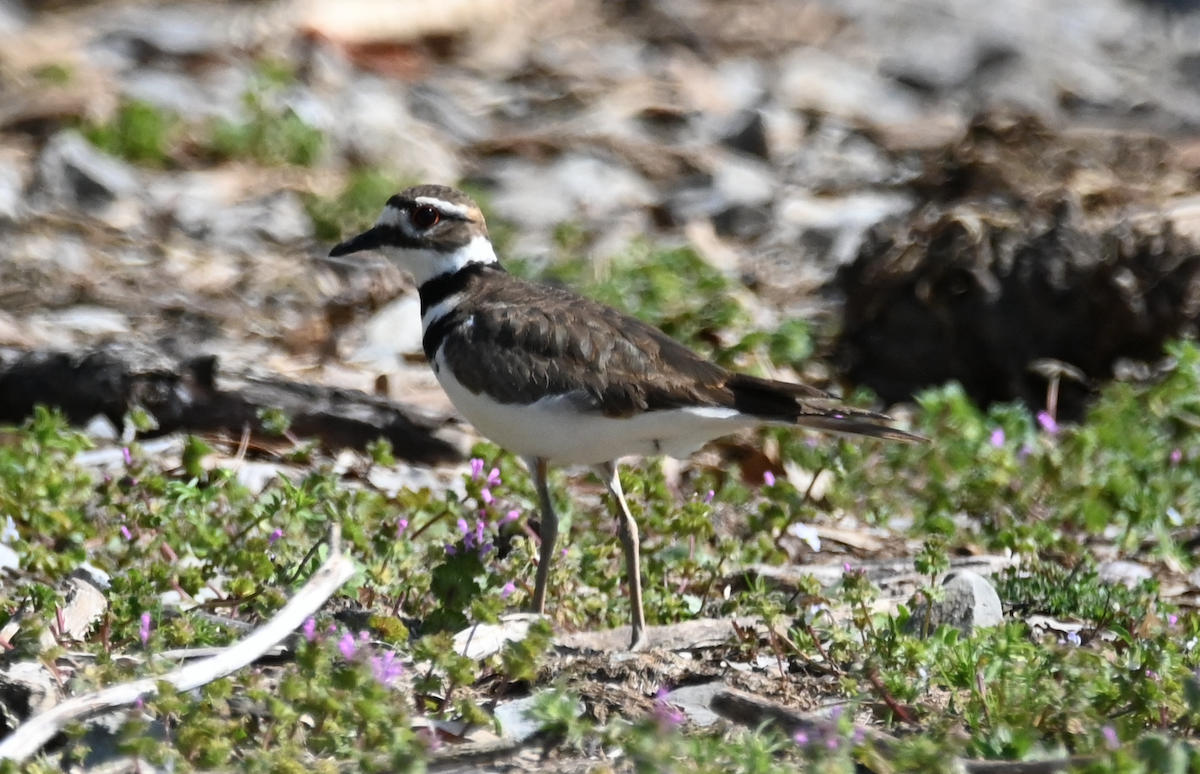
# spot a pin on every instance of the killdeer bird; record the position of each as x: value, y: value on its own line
x: 556, y: 377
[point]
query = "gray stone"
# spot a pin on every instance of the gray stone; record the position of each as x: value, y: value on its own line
x: 278, y: 217
x: 92, y: 574
x: 12, y: 183
x: 1126, y: 573
x: 694, y: 700
x: 193, y: 96
x: 816, y: 80
x: 514, y: 719
x: 843, y: 219
x: 575, y: 187
x: 968, y: 602
x: 27, y: 689
x: 74, y: 175
x: 372, y: 123
x: 747, y: 132
x: 742, y: 180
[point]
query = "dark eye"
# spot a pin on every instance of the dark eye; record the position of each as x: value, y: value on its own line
x: 425, y: 216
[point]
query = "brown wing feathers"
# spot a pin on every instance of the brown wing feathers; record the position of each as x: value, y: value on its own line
x: 553, y: 341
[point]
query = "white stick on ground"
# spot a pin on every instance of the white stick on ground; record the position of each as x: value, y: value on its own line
x: 30, y: 736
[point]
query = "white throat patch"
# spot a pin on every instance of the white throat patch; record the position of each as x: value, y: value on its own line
x: 424, y: 265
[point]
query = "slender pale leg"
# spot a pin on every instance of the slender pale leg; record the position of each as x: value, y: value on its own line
x: 549, y: 532
x: 628, y: 532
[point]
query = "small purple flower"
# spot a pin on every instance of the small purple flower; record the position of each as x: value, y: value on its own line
x: 125, y: 533
x: 486, y: 496
x: 493, y: 478
x: 1111, y: 740
x: 1047, y: 422
x: 128, y: 457
x: 386, y: 669
x: 708, y: 498
x: 310, y: 629
x: 451, y: 550
x: 800, y: 738
x: 768, y: 478
x: 1172, y: 619
x: 858, y: 736
x: 510, y: 516
x: 835, y: 714
x: 508, y: 589
x: 998, y: 437
x: 401, y: 526
x: 832, y: 742
x: 1176, y: 457
x: 463, y: 527
x: 480, y: 526
x: 476, y: 467
x: 144, y: 629
x: 846, y: 567
x: 347, y: 646
x: 278, y: 533
x: 668, y: 716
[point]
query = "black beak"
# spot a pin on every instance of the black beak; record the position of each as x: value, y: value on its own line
x: 367, y: 240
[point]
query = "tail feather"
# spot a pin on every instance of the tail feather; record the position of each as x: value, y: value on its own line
x: 786, y: 403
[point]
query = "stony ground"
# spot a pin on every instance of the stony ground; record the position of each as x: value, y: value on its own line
x: 1000, y: 193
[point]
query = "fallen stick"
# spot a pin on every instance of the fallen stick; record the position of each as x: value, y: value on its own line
x: 32, y: 735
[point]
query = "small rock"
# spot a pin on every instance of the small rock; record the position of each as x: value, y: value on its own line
x: 278, y: 217
x: 11, y: 185
x: 1126, y: 573
x: 743, y: 221
x: 514, y: 719
x: 195, y: 96
x: 73, y: 175
x: 373, y: 124
x: 26, y: 689
x: 576, y: 187
x: 845, y: 219
x: 694, y: 700
x: 438, y: 103
x: 83, y: 606
x: 741, y: 180
x: 88, y: 320
x: 747, y: 132
x: 92, y: 574
x: 9, y: 560
x: 969, y: 601
x: 480, y: 641
x: 815, y: 80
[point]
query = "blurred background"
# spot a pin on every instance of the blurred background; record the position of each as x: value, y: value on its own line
x: 886, y: 195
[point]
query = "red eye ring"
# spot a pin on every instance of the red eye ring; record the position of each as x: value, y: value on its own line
x: 425, y: 216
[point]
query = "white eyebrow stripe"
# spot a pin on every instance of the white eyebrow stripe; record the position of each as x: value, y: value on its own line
x: 457, y: 210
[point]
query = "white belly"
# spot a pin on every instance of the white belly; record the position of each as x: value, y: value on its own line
x: 554, y: 430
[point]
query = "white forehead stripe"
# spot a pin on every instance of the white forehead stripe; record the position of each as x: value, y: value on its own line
x: 391, y: 216
x: 456, y: 210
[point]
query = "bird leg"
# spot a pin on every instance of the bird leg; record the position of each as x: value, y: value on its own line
x: 628, y: 531
x: 548, y: 532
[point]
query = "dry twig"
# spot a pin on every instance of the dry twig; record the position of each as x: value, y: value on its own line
x: 29, y: 737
